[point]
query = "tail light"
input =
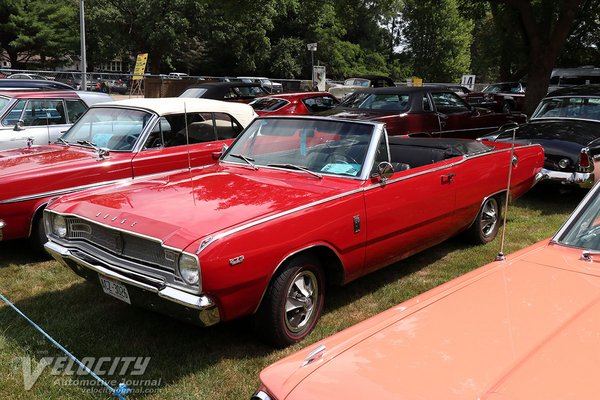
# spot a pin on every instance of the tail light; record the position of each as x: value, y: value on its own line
x: 584, y: 159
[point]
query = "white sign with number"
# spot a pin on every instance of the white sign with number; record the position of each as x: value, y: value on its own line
x: 468, y: 81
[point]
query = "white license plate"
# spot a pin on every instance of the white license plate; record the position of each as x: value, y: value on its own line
x: 114, y: 288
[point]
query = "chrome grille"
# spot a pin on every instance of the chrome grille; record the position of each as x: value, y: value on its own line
x: 121, y: 243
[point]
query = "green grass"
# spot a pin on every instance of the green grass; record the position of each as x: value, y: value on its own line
x: 220, y: 362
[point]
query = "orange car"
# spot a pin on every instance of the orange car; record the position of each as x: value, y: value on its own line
x: 527, y: 327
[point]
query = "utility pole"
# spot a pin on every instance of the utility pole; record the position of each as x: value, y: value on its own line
x: 82, y: 34
x: 312, y: 47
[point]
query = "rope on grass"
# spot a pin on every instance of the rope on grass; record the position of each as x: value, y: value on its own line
x: 119, y: 393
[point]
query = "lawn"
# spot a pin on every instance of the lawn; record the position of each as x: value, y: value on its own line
x: 223, y: 361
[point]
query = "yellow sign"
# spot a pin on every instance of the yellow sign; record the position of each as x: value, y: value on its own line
x: 140, y: 66
x: 414, y: 81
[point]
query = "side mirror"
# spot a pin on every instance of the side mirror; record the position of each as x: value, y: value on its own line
x: 19, y: 125
x: 384, y: 171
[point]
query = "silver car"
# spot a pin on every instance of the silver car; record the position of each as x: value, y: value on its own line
x: 40, y: 117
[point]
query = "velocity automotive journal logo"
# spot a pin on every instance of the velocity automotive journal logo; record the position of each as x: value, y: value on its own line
x: 71, y: 373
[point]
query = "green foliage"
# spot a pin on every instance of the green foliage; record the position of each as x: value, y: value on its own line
x: 438, y: 39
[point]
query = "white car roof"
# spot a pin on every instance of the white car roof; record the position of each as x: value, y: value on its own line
x: 242, y: 112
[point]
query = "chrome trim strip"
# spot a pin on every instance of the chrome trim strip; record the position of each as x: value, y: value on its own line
x: 563, y: 118
x: 168, y: 293
x: 62, y: 191
x: 441, y: 133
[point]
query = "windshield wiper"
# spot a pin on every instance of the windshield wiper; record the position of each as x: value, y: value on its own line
x: 63, y: 141
x: 87, y: 143
x: 248, y: 160
x: 297, y: 167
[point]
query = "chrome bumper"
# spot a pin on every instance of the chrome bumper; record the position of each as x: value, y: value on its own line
x: 207, y: 310
x: 582, y: 179
x: 2, y: 225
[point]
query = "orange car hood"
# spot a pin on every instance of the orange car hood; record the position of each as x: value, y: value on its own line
x: 526, y: 328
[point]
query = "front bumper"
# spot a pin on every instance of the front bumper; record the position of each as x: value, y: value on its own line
x: 197, y: 309
x: 582, y: 179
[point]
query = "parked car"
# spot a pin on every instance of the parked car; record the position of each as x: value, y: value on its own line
x: 300, y: 103
x: 351, y: 85
x: 567, y: 77
x: 567, y: 124
x: 71, y: 78
x: 32, y: 84
x: 111, y: 143
x: 295, y: 202
x: 226, y: 91
x: 27, y: 76
x: 107, y: 83
x: 422, y: 111
x: 269, y: 85
x: 522, y: 328
x: 177, y: 75
x: 40, y: 117
x: 502, y: 97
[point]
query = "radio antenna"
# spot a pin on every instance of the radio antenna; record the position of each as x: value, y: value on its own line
x: 500, y: 256
x: 187, y: 137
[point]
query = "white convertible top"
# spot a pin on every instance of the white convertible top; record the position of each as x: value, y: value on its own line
x: 242, y: 112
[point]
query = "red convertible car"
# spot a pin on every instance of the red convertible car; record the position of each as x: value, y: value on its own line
x: 293, y: 204
x: 300, y: 103
x: 523, y: 328
x: 112, y: 142
x: 435, y: 111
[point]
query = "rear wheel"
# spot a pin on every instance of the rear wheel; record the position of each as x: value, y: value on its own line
x: 292, y: 303
x: 485, y: 227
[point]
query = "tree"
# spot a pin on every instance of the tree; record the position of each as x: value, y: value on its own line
x: 43, y: 28
x: 545, y: 24
x: 438, y: 39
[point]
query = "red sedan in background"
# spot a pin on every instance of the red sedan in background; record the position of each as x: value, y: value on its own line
x: 300, y: 103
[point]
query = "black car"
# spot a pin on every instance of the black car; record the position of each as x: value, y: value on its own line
x: 227, y: 91
x: 32, y: 84
x: 567, y: 125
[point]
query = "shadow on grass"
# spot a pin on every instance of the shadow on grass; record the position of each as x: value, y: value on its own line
x: 20, y: 252
x: 552, y: 199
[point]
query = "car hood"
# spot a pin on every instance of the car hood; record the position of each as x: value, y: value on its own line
x: 181, y: 208
x: 545, y: 132
x: 42, y: 169
x: 523, y: 328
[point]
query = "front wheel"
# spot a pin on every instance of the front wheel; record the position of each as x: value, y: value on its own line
x: 485, y: 227
x: 293, y: 302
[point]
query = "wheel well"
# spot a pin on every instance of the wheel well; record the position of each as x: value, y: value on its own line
x: 39, y: 213
x: 332, y: 265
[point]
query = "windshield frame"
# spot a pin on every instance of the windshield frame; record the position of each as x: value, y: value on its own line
x: 367, y: 166
x: 576, y: 218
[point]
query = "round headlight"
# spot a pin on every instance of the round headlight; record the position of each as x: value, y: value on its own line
x: 189, y: 269
x: 59, y: 226
x: 564, y: 163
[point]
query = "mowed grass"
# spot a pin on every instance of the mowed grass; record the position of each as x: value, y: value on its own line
x: 223, y: 361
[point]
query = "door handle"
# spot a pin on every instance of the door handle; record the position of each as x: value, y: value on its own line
x: 447, y: 178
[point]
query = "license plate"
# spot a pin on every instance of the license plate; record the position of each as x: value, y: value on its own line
x: 114, y: 289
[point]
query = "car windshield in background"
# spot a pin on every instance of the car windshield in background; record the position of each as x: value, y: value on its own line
x: 268, y: 104
x: 112, y: 128
x: 193, y: 93
x: 569, y: 107
x: 318, y: 147
x: 372, y: 101
x: 584, y: 230
x: 357, y: 82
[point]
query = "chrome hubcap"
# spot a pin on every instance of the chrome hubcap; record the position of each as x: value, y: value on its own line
x: 489, y: 217
x: 301, y: 300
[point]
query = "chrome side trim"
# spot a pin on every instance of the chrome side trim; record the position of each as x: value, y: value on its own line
x: 61, y: 253
x: 441, y: 133
x: 60, y: 192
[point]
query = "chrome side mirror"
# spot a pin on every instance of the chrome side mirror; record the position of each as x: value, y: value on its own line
x: 384, y: 171
x: 19, y: 125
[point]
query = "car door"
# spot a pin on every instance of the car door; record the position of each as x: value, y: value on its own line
x: 412, y: 211
x: 166, y: 147
x: 458, y: 119
x: 41, y: 120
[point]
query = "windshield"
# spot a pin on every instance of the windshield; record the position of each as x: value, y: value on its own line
x: 319, y: 146
x: 193, y: 93
x: 584, y: 230
x: 569, y: 107
x: 112, y: 128
x: 357, y: 82
x: 372, y: 101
